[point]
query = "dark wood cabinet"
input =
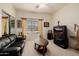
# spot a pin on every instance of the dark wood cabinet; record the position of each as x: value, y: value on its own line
x: 60, y: 36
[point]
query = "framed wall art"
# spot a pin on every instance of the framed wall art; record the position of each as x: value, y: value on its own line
x: 46, y: 24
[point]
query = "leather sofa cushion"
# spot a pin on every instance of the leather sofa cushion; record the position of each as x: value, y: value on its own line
x: 11, y: 38
x: 18, y: 44
x: 2, y: 44
x: 7, y: 40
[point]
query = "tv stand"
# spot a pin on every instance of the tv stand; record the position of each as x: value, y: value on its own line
x: 60, y: 36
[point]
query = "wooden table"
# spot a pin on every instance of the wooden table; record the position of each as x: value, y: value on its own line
x: 41, y: 47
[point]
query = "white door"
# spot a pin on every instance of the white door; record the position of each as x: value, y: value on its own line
x: 32, y: 28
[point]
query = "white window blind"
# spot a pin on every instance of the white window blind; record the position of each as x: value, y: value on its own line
x: 32, y: 24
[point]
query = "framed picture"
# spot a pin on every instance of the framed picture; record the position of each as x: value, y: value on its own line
x: 46, y: 24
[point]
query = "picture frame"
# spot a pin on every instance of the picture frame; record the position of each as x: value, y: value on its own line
x: 46, y: 24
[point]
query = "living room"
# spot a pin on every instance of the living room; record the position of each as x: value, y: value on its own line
x: 30, y: 20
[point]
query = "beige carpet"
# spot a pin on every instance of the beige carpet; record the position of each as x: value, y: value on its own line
x: 53, y: 50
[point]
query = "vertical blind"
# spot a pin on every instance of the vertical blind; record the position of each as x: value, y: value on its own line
x: 32, y: 24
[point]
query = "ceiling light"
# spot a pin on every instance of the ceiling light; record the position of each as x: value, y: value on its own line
x: 40, y: 6
x: 37, y: 6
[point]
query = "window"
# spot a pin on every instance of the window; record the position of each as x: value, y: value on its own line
x: 19, y: 23
x: 32, y: 24
x: 12, y: 23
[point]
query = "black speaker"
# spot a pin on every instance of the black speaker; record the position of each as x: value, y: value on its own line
x: 49, y: 35
x: 60, y: 36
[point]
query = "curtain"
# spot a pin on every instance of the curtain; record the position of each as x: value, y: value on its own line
x: 24, y: 26
x: 40, y: 27
x: 4, y: 25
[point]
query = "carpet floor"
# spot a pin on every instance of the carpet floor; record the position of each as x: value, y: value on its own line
x: 52, y: 50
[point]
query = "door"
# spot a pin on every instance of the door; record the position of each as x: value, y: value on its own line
x: 32, y: 28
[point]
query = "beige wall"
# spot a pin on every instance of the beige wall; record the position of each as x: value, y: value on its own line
x: 45, y: 17
x: 69, y: 15
x: 7, y: 8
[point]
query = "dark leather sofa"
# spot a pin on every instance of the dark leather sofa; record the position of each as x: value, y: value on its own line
x: 11, y: 45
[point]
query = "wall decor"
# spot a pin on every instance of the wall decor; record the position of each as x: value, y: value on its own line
x: 46, y: 24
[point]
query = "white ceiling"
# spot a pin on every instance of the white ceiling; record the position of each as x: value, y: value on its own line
x: 44, y: 7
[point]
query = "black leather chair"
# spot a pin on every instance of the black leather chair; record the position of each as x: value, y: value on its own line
x: 10, y: 45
